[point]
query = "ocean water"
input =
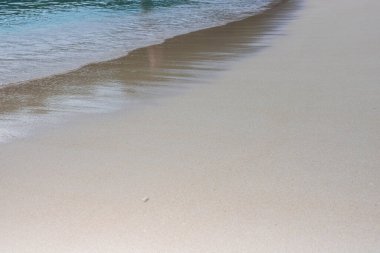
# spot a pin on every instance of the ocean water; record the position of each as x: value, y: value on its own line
x: 39, y: 38
x: 65, y: 59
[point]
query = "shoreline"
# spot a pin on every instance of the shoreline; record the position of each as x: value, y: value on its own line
x: 143, y: 74
x: 122, y: 46
x: 279, y: 152
x: 267, y: 9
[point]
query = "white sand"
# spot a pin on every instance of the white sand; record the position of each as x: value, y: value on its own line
x: 279, y: 154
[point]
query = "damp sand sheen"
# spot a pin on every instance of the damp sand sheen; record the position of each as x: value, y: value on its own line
x: 268, y: 141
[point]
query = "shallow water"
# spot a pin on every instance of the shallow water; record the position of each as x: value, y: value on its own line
x: 139, y: 77
x: 43, y: 37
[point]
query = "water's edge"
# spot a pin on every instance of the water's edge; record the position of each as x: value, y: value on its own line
x: 33, y: 49
x: 142, y: 74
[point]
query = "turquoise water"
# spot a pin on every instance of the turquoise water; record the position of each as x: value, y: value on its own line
x: 42, y: 37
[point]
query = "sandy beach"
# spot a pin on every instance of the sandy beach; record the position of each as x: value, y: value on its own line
x: 277, y: 153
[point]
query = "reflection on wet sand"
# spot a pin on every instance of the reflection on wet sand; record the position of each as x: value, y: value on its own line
x: 191, y: 57
x: 155, y: 57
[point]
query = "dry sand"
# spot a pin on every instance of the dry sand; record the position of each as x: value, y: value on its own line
x: 278, y: 154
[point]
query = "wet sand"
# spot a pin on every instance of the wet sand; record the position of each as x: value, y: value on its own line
x: 142, y: 75
x: 277, y: 153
